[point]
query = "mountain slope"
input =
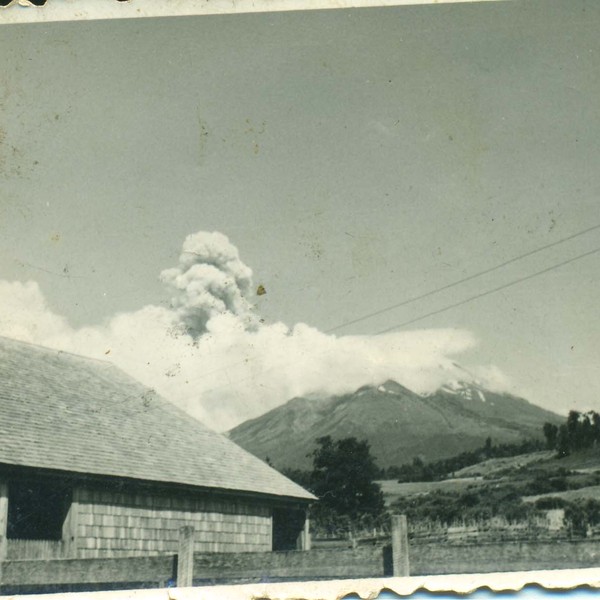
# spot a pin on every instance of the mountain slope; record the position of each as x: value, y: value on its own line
x: 398, y: 423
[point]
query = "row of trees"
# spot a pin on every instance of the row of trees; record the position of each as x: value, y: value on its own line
x: 581, y: 431
x: 419, y: 470
x: 344, y: 473
x: 503, y: 500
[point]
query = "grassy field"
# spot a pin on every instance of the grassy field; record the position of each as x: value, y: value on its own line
x: 392, y: 490
x: 463, y: 479
x: 592, y: 491
x: 586, y: 461
x: 532, y: 473
x: 496, y: 465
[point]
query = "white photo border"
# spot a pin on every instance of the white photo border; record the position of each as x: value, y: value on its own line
x: 23, y: 12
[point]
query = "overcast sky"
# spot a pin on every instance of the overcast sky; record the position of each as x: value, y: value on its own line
x: 354, y: 158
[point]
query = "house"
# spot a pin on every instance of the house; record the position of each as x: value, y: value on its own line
x: 94, y: 464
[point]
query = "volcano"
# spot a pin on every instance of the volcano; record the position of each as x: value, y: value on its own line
x: 398, y: 423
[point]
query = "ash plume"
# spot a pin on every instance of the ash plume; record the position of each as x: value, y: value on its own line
x: 210, y: 280
x: 211, y: 355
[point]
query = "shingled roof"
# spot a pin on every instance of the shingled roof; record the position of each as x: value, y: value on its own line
x: 66, y: 412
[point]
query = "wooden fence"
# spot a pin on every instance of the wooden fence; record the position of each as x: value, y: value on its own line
x: 546, y: 528
x: 375, y: 559
x: 34, y: 549
x: 186, y: 568
x: 91, y: 574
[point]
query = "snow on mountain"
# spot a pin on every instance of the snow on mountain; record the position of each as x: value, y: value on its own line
x: 398, y: 423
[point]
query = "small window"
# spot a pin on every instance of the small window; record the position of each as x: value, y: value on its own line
x: 37, y: 510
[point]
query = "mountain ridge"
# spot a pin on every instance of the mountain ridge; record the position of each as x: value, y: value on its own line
x: 398, y: 423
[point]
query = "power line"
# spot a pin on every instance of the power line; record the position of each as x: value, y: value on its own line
x: 430, y: 293
x: 435, y: 312
x: 492, y: 291
x: 465, y: 279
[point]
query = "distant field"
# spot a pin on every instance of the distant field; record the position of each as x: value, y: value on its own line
x: 494, y: 465
x: 518, y: 468
x: 392, y: 490
x: 585, y: 461
x: 592, y: 491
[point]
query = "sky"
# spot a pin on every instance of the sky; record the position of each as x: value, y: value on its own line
x: 155, y: 172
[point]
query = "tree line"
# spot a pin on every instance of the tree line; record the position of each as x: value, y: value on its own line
x: 344, y: 473
x: 580, y: 431
x: 418, y: 470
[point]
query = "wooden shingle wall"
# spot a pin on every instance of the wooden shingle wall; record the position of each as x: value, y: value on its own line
x: 113, y: 524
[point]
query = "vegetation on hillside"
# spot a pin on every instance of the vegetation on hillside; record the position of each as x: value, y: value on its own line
x: 503, y: 498
x: 344, y: 477
x: 506, y: 502
x: 502, y: 495
x: 418, y: 470
x: 580, y: 431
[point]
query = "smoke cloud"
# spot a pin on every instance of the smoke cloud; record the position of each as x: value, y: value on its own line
x: 210, y: 354
x: 209, y: 281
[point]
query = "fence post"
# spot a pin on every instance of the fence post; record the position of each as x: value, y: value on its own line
x: 185, y: 557
x: 305, y: 534
x: 400, y: 564
x: 3, y: 523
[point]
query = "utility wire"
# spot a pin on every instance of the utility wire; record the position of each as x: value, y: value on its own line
x: 435, y: 312
x: 430, y: 293
x: 465, y: 279
x: 492, y: 291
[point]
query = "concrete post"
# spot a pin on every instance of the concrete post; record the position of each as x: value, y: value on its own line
x: 305, y: 535
x: 185, y: 557
x: 400, y: 564
x: 3, y: 519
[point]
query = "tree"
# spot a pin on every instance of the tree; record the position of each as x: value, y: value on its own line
x: 551, y: 434
x: 487, y: 449
x: 299, y: 476
x: 562, y: 441
x: 343, y: 479
x: 574, y: 429
x: 587, y: 432
x: 596, y: 427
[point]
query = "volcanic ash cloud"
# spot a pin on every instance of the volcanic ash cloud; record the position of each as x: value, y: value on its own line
x: 209, y: 353
x: 210, y: 280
